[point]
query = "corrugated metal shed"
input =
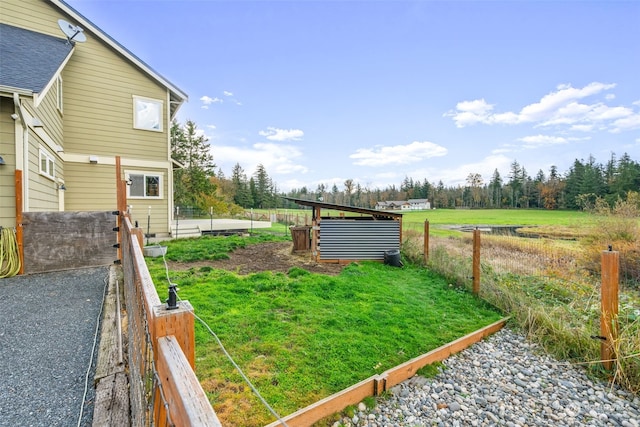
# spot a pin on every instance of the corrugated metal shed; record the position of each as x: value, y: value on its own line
x: 351, y: 238
x: 357, y: 240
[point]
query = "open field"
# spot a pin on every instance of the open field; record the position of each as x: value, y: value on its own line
x: 302, y: 336
x: 548, y: 222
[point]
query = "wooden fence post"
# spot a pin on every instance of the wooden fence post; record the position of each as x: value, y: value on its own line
x: 179, y: 322
x: 426, y: 241
x: 609, y: 306
x: 476, y: 261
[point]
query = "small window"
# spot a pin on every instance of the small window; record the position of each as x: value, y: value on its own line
x: 47, y: 164
x: 147, y: 114
x: 59, y: 93
x: 145, y: 185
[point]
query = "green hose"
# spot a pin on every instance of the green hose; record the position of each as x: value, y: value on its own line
x: 9, y: 257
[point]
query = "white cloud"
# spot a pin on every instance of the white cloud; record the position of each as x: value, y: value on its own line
x: 207, y: 100
x: 397, y: 154
x: 277, y: 159
x: 561, y: 107
x: 552, y: 102
x: 227, y: 93
x: 212, y: 127
x: 275, y: 134
x: 536, y: 141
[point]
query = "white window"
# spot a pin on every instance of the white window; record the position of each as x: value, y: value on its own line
x: 147, y: 114
x: 47, y: 164
x: 59, y: 93
x: 144, y: 185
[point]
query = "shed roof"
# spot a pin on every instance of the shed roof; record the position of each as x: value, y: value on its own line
x: 30, y: 59
x: 344, y: 208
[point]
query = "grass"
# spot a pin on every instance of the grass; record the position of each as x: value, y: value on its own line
x: 548, y: 292
x: 301, y: 336
x: 548, y: 222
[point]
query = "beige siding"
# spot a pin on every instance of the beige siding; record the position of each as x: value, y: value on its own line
x: 36, y: 15
x: 99, y: 89
x: 43, y: 191
x: 7, y: 171
x: 90, y: 187
x: 49, y: 115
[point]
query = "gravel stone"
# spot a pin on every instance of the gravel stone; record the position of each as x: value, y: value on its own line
x: 47, y: 327
x: 505, y: 380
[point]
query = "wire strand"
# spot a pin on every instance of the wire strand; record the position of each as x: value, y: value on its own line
x: 226, y: 353
x: 93, y: 349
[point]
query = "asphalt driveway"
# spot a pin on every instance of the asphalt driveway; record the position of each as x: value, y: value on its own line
x: 47, y: 328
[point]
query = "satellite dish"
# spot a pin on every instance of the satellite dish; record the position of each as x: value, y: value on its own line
x: 73, y: 32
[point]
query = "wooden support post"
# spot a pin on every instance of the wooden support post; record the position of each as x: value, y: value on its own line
x: 139, y: 235
x: 609, y: 307
x: 19, y: 229
x: 120, y: 205
x: 476, y: 261
x: 426, y: 241
x: 178, y: 322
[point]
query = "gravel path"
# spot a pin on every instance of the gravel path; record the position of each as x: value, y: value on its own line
x: 503, y: 380
x: 47, y: 327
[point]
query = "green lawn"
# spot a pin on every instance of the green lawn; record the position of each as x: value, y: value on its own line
x: 301, y: 336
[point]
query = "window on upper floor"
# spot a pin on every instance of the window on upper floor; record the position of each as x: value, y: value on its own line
x: 144, y: 185
x: 147, y: 114
x: 47, y: 164
x: 59, y: 94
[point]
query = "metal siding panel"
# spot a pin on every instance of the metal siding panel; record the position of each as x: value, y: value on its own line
x: 349, y: 239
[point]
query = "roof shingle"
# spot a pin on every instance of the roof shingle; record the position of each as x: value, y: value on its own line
x: 29, y: 60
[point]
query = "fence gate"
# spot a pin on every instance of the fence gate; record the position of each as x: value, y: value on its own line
x: 64, y: 240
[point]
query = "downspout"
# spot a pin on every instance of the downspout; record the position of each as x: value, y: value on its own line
x: 25, y: 153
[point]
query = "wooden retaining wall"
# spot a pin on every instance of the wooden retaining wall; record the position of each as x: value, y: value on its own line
x: 377, y: 384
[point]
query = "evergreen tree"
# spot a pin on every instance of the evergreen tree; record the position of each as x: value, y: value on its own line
x: 263, y: 197
x: 242, y: 194
x: 189, y: 147
x: 515, y: 183
x: 495, y: 190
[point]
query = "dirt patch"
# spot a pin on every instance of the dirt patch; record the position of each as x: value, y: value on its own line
x: 270, y: 256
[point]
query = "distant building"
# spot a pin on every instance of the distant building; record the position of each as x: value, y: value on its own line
x: 411, y: 204
x: 391, y: 205
x: 418, y: 204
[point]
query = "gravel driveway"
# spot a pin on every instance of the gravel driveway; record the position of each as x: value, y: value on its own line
x: 47, y: 328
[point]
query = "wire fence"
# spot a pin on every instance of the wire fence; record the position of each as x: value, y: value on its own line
x: 144, y: 383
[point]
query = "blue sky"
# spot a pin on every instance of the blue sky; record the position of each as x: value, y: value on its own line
x: 323, y: 91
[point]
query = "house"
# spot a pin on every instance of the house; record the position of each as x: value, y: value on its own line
x: 390, y: 205
x: 72, y: 99
x: 411, y: 204
x: 418, y: 204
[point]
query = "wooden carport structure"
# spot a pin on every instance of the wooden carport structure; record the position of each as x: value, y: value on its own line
x: 347, y: 238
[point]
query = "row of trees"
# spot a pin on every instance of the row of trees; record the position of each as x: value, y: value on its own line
x: 579, y: 188
x: 198, y: 184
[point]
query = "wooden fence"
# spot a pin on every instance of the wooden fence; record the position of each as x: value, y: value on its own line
x: 163, y: 387
x: 609, y: 292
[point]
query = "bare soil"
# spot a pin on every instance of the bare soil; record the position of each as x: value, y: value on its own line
x: 270, y: 256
